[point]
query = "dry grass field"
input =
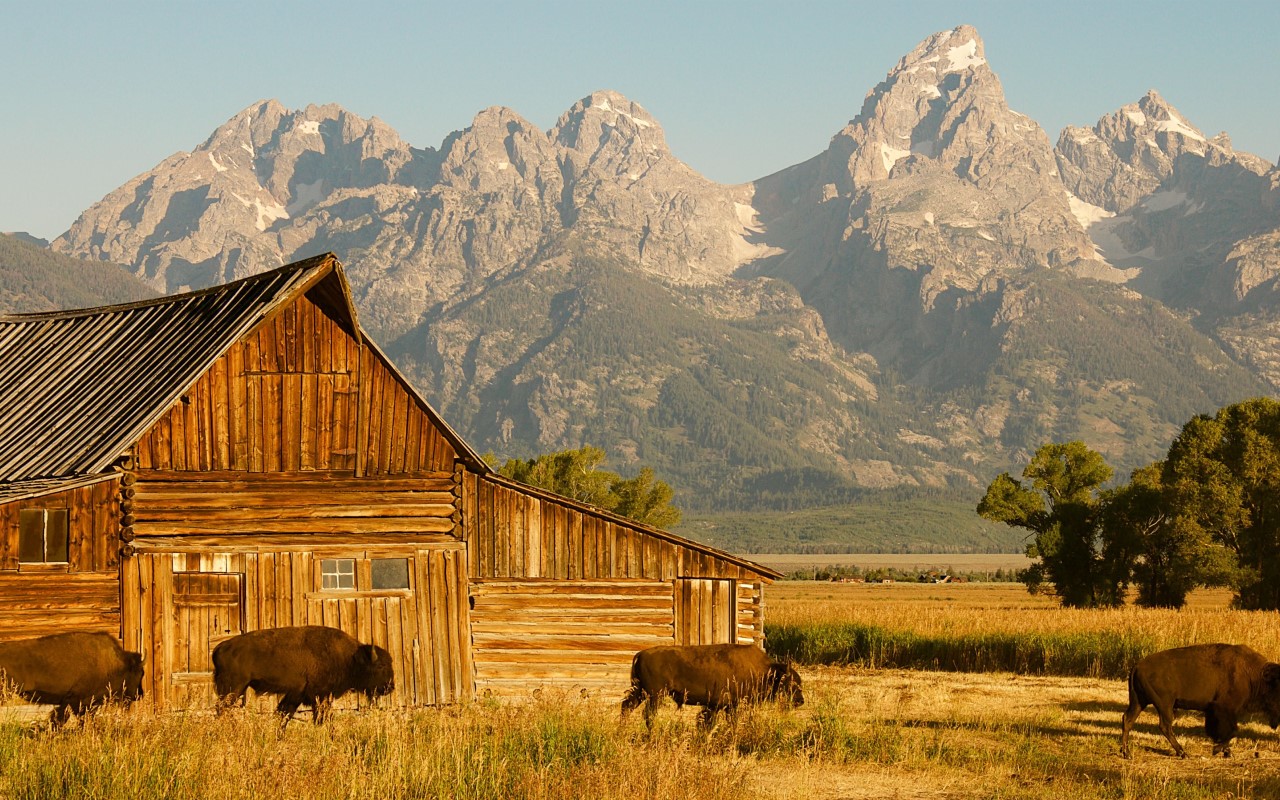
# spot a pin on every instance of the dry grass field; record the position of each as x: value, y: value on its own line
x: 864, y: 732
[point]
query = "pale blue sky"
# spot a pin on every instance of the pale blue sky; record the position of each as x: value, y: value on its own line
x: 95, y: 93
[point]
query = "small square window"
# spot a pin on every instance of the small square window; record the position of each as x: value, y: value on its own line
x: 42, y: 535
x: 338, y: 573
x: 390, y: 573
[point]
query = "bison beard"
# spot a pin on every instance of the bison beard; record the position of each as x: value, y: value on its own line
x: 308, y: 665
x: 1222, y: 680
x: 74, y: 671
x: 714, y: 676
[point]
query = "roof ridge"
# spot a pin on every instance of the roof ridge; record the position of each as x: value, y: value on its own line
x: 313, y: 262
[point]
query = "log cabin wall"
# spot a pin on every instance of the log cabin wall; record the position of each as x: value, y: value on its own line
x: 180, y: 604
x: 564, y: 594
x: 82, y: 593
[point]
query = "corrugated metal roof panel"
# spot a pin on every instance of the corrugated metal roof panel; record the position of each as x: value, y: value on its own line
x: 77, y: 387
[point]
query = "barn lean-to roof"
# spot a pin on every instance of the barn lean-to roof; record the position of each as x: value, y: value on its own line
x: 77, y: 388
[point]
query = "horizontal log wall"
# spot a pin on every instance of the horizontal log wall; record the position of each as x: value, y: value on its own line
x: 579, y: 634
x: 516, y: 534
x: 38, y: 604
x: 750, y: 613
x: 177, y: 503
x: 93, y: 528
x: 424, y: 627
x: 298, y: 394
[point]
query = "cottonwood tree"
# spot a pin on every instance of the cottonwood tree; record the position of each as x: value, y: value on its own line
x: 577, y: 474
x: 1167, y: 557
x: 1222, y: 474
x: 1060, y: 504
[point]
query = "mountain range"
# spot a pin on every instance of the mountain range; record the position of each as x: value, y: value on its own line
x: 916, y: 308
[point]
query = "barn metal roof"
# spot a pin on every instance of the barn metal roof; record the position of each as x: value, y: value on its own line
x: 78, y: 387
x: 26, y: 490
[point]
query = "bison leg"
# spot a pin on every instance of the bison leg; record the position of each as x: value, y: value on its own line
x: 286, y: 708
x: 651, y: 709
x: 60, y: 716
x: 1166, y: 727
x: 1131, y: 715
x: 1221, y: 728
x: 320, y: 709
x: 707, y: 718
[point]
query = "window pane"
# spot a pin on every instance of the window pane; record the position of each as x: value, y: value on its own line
x: 390, y: 573
x: 31, y: 535
x: 55, y: 535
x: 338, y: 573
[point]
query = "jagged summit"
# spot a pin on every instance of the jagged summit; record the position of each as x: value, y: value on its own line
x: 581, y: 283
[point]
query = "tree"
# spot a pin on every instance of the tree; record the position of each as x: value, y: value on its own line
x: 1168, y: 557
x: 577, y: 474
x: 1223, y: 480
x: 1061, y: 507
x: 646, y: 500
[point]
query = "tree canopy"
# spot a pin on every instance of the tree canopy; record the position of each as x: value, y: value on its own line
x: 1059, y: 503
x: 577, y: 474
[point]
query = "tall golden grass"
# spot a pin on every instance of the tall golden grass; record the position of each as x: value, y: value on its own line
x: 992, y: 627
x: 538, y: 750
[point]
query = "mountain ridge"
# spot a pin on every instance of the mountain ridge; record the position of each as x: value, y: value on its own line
x: 910, y: 288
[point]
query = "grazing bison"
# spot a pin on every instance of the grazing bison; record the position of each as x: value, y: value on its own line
x: 308, y: 665
x: 714, y: 676
x: 1222, y: 680
x: 74, y: 671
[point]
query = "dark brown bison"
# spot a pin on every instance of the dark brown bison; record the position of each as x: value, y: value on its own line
x: 307, y: 665
x: 1222, y: 680
x: 74, y: 671
x: 714, y: 676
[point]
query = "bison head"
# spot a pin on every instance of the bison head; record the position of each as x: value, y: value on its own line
x: 1271, y: 694
x: 784, y: 683
x: 373, y: 673
x: 131, y: 685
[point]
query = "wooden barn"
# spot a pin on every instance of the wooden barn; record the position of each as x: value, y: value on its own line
x: 181, y: 470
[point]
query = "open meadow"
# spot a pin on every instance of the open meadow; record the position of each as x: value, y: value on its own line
x: 870, y: 727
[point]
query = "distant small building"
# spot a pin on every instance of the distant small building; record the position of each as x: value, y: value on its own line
x: 181, y: 470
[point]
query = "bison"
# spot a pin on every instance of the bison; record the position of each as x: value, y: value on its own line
x: 75, y: 671
x: 307, y: 665
x: 1222, y: 680
x: 714, y: 676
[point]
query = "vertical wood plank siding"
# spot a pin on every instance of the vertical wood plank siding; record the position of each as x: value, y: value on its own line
x: 516, y: 534
x: 297, y: 394
x: 422, y: 626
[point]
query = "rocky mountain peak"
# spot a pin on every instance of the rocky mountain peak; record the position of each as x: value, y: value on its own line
x: 1129, y: 153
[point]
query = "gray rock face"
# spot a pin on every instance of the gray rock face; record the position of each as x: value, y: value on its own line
x: 1183, y: 213
x: 272, y: 185
x: 935, y: 294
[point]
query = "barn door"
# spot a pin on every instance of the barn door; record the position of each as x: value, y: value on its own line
x: 706, y: 611
x: 207, y: 609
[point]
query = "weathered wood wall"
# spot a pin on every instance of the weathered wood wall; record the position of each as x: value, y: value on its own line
x: 424, y: 627
x: 81, y: 594
x: 515, y: 532
x: 170, y: 503
x: 571, y: 633
x: 565, y: 594
x: 299, y: 394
